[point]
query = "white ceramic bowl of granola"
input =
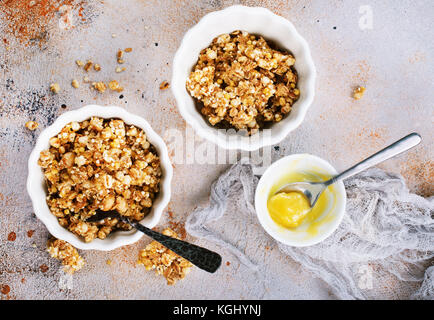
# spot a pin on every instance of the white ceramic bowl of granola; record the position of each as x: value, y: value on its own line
x: 254, y: 20
x: 36, y: 185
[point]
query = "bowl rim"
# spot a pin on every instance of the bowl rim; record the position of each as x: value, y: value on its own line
x: 210, y: 133
x: 340, y: 191
x: 34, y: 183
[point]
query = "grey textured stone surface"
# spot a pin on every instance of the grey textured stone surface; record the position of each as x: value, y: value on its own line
x: 393, y: 61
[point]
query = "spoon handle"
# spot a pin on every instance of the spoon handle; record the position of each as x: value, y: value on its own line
x: 395, y: 148
x: 203, y: 258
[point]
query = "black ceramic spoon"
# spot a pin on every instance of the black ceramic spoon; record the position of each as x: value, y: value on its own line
x: 203, y: 258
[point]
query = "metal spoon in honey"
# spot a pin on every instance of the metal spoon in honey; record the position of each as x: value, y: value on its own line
x: 313, y: 190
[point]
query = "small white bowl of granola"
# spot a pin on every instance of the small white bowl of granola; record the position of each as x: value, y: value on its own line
x: 242, y: 71
x: 98, y: 158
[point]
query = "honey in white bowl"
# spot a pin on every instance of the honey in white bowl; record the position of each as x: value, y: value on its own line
x: 291, y: 210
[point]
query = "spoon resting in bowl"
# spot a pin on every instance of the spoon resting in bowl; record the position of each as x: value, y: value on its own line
x: 313, y: 190
x: 203, y: 258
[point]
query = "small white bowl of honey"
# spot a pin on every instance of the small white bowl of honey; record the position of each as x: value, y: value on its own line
x: 288, y: 218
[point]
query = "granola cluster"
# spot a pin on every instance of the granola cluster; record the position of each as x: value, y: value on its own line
x: 65, y: 252
x: 100, y: 164
x: 32, y: 125
x: 242, y: 82
x: 358, y: 93
x: 164, y: 261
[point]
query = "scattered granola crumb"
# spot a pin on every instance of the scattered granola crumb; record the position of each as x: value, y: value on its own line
x: 100, y: 86
x: 79, y: 63
x: 34, y: 245
x: 97, y: 67
x: 228, y: 263
x: 88, y: 65
x: 114, y: 85
x: 44, y: 268
x: 65, y: 252
x: 30, y: 233
x: 119, y: 69
x: 109, y: 262
x: 164, y: 261
x: 164, y: 85
x: 5, y: 289
x: 121, y: 61
x: 12, y: 236
x: 120, y: 54
x: 32, y: 125
x: 28, y: 21
x: 128, y: 49
x: 113, y: 35
x: 54, y: 87
x: 358, y: 93
x: 138, y: 172
x: 75, y: 83
x: 86, y: 79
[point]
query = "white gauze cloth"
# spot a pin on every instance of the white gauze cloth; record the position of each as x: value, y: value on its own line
x: 387, y: 234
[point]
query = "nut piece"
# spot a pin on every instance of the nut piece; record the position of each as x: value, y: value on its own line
x: 54, y: 87
x: 88, y: 65
x: 114, y: 85
x: 120, y: 54
x: 164, y: 85
x: 128, y: 49
x: 32, y: 125
x: 358, y: 93
x: 100, y: 86
x: 97, y: 67
x: 119, y: 69
x: 65, y: 252
x: 75, y: 83
x: 164, y: 261
x: 79, y: 63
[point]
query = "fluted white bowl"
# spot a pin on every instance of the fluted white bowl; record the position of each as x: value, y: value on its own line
x: 36, y: 185
x: 254, y: 20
